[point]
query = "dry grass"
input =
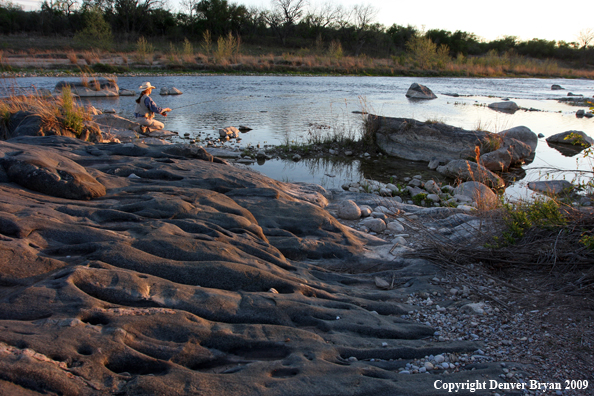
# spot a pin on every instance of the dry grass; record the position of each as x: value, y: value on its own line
x: 60, y: 114
x: 558, y: 256
x: 71, y: 55
x: 227, y: 53
x: 91, y: 57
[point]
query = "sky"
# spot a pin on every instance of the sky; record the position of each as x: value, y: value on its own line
x: 521, y: 18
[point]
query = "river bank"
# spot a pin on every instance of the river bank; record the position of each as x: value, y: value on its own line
x: 47, y: 63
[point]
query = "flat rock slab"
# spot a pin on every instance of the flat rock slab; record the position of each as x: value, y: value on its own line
x: 187, y: 278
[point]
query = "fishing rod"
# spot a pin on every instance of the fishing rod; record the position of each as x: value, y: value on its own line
x: 197, y: 103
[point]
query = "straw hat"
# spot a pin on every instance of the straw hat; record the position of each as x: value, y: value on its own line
x: 145, y: 86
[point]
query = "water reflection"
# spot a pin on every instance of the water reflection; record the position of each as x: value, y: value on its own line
x: 567, y: 150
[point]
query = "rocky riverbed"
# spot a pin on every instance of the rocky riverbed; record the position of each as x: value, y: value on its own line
x: 159, y: 269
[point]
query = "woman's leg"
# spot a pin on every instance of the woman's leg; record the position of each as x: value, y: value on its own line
x: 152, y: 124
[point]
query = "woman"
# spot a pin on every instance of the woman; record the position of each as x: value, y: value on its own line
x: 146, y: 108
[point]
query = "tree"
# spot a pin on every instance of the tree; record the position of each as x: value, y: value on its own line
x: 220, y: 17
x: 283, y: 17
x: 325, y: 16
x: 131, y: 15
x: 363, y: 17
x: 422, y: 50
x: 97, y: 32
x: 65, y: 7
x: 400, y: 35
x: 586, y: 38
x: 290, y: 10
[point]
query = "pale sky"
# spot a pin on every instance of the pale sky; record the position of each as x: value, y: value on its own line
x: 521, y: 18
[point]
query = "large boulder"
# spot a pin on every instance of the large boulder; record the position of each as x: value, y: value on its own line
x: 497, y: 161
x: 577, y: 138
x: 126, y: 92
x: 521, y: 153
x: 479, y: 193
x: 506, y: 107
x: 49, y: 173
x: 96, y: 87
x: 471, y: 171
x: 425, y: 141
x: 523, y: 134
x: 418, y: 91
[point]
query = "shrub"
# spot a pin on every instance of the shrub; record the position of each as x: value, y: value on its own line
x: 73, y: 116
x: 97, y: 32
x: 144, y: 50
x: 519, y: 217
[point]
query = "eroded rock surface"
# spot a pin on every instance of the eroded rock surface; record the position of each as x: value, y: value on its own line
x: 197, y: 277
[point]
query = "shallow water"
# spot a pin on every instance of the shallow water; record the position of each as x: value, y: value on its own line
x: 281, y: 109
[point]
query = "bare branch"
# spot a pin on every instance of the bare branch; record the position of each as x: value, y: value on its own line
x: 291, y: 10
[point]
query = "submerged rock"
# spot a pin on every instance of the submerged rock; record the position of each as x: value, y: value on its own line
x: 507, y: 107
x: 418, y: 91
x: 551, y: 187
x: 170, y: 91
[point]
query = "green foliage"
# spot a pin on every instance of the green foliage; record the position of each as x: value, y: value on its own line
x: 520, y: 217
x: 188, y: 51
x: 220, y: 17
x: 426, y: 54
x: 227, y: 48
x: 419, y: 199
x: 206, y: 42
x: 72, y: 114
x: 335, y: 49
x: 144, y: 50
x: 587, y: 241
x: 97, y: 32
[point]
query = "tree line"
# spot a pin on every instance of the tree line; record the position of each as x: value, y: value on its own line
x: 290, y: 24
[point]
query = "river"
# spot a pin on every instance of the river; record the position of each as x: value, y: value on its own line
x: 282, y: 109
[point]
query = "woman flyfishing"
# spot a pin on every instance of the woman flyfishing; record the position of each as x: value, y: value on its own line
x: 146, y: 108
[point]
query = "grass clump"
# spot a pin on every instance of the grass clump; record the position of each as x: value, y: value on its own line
x: 491, y: 142
x: 419, y: 199
x: 58, y: 116
x: 73, y: 116
x: 521, y: 217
